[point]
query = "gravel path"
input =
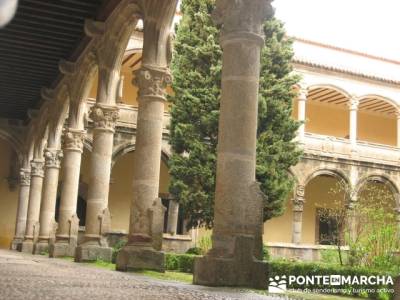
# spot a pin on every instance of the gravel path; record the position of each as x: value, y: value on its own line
x: 24, y: 276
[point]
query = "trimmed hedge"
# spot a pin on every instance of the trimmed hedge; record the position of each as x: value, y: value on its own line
x: 185, y: 262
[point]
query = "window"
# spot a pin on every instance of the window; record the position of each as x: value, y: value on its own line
x: 327, y: 228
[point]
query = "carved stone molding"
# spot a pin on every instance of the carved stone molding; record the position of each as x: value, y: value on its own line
x: 152, y: 82
x: 104, y: 117
x: 353, y: 104
x: 242, y: 16
x: 25, y: 177
x: 298, y: 201
x: 53, y: 158
x: 37, y: 168
x: 73, y: 140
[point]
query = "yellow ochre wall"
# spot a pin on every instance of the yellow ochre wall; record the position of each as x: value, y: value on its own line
x: 279, y: 229
x: 121, y: 187
x: 376, y: 129
x: 8, y: 199
x: 327, y: 120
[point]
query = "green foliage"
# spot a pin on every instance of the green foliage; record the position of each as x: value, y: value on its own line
x: 266, y: 255
x: 194, y: 251
x: 179, y: 262
x: 205, y: 244
x: 115, y: 249
x: 196, y: 68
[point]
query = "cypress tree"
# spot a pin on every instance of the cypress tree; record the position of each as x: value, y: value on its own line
x: 196, y: 67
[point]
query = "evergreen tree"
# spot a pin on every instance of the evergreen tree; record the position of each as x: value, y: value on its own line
x: 196, y: 67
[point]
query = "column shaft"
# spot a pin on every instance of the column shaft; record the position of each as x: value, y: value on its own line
x: 398, y: 129
x: 298, y: 206
x: 353, y: 122
x: 49, y: 196
x: 302, y: 113
x: 68, y: 222
x: 98, y: 220
x: 173, y: 213
x: 238, y: 210
x: 23, y: 201
x: 35, y: 194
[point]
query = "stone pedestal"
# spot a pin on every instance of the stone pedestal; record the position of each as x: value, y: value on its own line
x: 147, y: 212
x: 235, y: 258
x: 298, y: 207
x: 173, y: 213
x: 98, y: 217
x: 68, y: 222
x: 49, y: 196
x: 23, y: 201
x: 35, y: 193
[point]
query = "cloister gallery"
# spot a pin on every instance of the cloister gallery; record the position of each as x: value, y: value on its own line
x: 84, y: 137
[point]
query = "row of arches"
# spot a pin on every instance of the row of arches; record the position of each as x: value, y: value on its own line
x: 326, y: 110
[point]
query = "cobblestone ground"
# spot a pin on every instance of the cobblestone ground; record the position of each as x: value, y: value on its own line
x: 24, y: 276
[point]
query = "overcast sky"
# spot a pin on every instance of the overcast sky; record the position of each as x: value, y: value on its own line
x: 369, y: 26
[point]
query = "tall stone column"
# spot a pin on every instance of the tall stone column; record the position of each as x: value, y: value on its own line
x: 35, y: 196
x: 98, y: 220
x: 173, y: 213
x: 398, y: 129
x: 353, y: 105
x: 302, y: 100
x: 23, y: 201
x: 298, y: 208
x: 236, y: 255
x: 68, y: 222
x: 49, y: 196
x: 145, y: 230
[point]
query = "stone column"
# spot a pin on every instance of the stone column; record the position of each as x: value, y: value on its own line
x: 352, y: 217
x: 98, y: 221
x: 23, y: 201
x: 236, y: 254
x: 353, y: 105
x: 398, y: 129
x: 35, y: 195
x: 49, y: 196
x: 302, y: 100
x: 68, y: 222
x: 298, y: 208
x: 173, y: 212
x: 145, y: 230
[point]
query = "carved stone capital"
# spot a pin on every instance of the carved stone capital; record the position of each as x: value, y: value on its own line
x: 73, y: 140
x: 152, y: 82
x: 242, y: 16
x: 298, y: 201
x: 353, y: 104
x: 104, y: 117
x: 53, y: 158
x: 25, y: 177
x: 37, y: 168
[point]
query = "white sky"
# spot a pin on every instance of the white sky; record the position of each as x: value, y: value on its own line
x: 370, y: 26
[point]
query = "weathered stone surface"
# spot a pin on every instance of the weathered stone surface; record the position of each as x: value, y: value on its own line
x: 90, y: 252
x: 27, y: 246
x: 132, y: 258
x: 30, y: 277
x: 63, y: 248
x: 242, y: 269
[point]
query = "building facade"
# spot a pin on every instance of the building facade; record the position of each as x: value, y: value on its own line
x: 67, y: 172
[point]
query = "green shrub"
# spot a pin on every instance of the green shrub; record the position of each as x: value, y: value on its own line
x: 194, y: 250
x: 205, y: 244
x: 118, y: 246
x: 266, y: 255
x: 179, y: 262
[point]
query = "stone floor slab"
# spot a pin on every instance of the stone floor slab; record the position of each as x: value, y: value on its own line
x: 31, y: 277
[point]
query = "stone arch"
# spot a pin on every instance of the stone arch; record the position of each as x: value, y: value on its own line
x: 382, y: 178
x: 382, y: 98
x: 15, y: 143
x: 329, y: 86
x: 337, y: 173
x: 125, y: 148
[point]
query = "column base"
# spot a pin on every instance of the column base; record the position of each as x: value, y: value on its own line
x: 16, y: 244
x: 242, y: 269
x: 131, y: 258
x: 41, y: 247
x: 27, y: 246
x: 63, y: 248
x: 93, y: 252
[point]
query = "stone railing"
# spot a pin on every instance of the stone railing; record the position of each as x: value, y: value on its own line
x: 341, y: 148
x: 128, y: 116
